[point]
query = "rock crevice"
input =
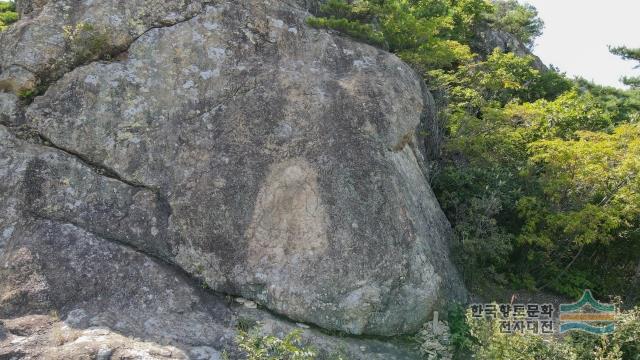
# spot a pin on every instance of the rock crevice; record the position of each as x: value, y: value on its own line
x: 100, y: 169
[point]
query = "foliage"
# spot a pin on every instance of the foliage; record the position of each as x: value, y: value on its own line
x: 485, y: 341
x: 8, y: 14
x: 450, y: 340
x: 500, y: 79
x: 624, y: 105
x: 589, y: 200
x: 460, y: 338
x: 427, y: 34
x: 570, y: 112
x: 481, y: 243
x: 349, y: 19
x: 364, y: 32
x: 628, y: 54
x: 626, y: 338
x: 570, y: 188
x: 489, y: 343
x: 27, y: 95
x: 492, y: 171
x: 591, y: 181
x: 517, y: 19
x: 260, y: 347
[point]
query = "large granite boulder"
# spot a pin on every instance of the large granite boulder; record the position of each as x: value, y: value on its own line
x: 221, y: 141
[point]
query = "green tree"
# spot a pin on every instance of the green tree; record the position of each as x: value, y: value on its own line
x: 500, y: 79
x: 487, y: 178
x: 428, y: 34
x: 628, y: 54
x: 624, y: 105
x: 520, y: 20
x: 589, y: 199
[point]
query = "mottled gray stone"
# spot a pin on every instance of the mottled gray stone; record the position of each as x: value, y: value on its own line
x: 29, y: 7
x: 227, y: 146
x: 104, y: 290
x: 9, y: 108
x: 17, y: 80
x: 39, y: 49
x: 257, y: 214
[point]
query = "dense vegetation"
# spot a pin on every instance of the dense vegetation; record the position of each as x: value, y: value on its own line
x: 469, y: 337
x: 257, y: 346
x: 8, y: 14
x: 484, y: 339
x: 539, y: 173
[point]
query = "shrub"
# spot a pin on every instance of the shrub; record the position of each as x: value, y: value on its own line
x: 481, y: 338
x: 428, y: 34
x: 8, y: 14
x: 259, y: 347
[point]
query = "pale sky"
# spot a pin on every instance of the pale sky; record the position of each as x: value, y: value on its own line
x: 577, y: 33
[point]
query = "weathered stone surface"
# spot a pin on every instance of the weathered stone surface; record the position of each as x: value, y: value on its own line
x: 229, y: 143
x: 282, y: 160
x: 57, y: 35
x: 28, y: 7
x: 107, y: 294
x: 43, y: 337
x: 98, y: 295
x: 9, y: 109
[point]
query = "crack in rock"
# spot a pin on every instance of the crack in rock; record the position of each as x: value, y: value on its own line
x: 43, y: 79
x: 100, y: 169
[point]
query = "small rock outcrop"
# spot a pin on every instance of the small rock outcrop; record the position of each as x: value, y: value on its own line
x: 152, y: 148
x: 487, y: 39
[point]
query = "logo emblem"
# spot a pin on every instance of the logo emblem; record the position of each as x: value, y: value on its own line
x: 588, y: 315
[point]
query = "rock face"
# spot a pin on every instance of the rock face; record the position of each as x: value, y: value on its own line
x: 220, y: 141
